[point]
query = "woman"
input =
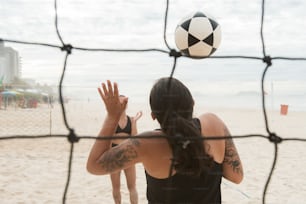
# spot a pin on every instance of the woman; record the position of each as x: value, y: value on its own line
x: 180, y: 167
x: 126, y: 127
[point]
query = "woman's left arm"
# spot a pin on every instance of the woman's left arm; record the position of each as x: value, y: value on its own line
x: 102, y: 157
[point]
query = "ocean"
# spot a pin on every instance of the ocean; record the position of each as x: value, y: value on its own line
x: 139, y: 25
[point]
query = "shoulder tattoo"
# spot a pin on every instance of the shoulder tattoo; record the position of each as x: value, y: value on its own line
x: 231, y: 156
x: 119, y: 156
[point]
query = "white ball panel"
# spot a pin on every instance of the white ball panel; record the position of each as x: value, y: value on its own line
x: 217, y: 37
x: 181, y: 38
x: 200, y: 28
x: 200, y: 50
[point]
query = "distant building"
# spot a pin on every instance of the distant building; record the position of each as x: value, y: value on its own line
x: 9, y: 64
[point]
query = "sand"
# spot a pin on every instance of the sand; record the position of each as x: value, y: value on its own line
x: 35, y: 170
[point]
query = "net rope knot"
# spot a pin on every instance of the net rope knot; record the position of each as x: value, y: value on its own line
x: 274, y: 138
x: 67, y: 47
x: 174, y: 53
x: 267, y: 60
x: 72, y: 137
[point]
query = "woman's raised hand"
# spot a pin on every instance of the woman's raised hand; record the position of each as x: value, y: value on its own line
x: 110, y: 96
x: 138, y: 115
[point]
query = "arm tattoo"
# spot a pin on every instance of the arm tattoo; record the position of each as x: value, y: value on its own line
x: 231, y: 156
x: 118, y: 156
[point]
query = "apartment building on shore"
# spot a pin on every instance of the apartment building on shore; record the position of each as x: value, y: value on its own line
x: 9, y: 64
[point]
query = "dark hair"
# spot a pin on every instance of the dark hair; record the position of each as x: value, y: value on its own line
x: 172, y: 104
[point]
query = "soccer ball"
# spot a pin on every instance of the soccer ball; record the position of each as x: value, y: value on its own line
x: 198, y: 35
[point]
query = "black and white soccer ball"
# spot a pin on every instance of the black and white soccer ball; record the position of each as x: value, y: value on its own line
x: 198, y: 35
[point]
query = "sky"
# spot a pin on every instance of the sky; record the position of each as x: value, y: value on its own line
x: 139, y: 24
x: 109, y: 23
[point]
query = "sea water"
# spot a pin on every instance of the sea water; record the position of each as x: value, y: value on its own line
x: 139, y: 25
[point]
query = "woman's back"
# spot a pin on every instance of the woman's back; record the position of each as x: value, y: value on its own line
x: 180, y: 188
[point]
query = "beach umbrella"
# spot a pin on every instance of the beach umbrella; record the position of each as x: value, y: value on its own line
x: 9, y: 93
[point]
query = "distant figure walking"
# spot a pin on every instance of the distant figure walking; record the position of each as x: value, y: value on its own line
x: 126, y: 127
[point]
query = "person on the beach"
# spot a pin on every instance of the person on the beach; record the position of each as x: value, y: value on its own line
x: 126, y: 127
x: 180, y: 166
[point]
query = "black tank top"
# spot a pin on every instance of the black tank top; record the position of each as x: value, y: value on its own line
x: 186, y: 189
x: 127, y: 129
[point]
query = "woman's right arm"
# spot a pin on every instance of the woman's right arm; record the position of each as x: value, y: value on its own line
x: 134, y: 123
x: 232, y: 166
x: 223, y: 151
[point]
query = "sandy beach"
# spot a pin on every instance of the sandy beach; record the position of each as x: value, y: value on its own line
x: 35, y: 170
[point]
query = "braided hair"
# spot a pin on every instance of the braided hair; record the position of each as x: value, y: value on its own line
x: 172, y: 104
